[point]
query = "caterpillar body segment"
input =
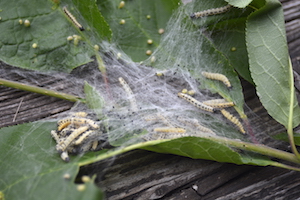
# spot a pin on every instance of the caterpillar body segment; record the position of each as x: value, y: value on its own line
x: 196, y: 103
x: 73, y: 19
x: 217, y: 76
x: 234, y: 120
x: 129, y: 93
x: 209, y: 12
x: 55, y: 136
x: 218, y: 103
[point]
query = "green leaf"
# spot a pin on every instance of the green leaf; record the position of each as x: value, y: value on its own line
x: 210, y: 148
x: 284, y: 137
x: 138, y: 28
x: 31, y: 168
x: 89, y: 11
x: 205, y: 148
x: 49, y: 29
x: 239, y: 3
x: 269, y: 62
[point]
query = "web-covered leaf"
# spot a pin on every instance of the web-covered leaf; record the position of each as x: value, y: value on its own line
x: 142, y: 21
x: 269, y: 62
x: 43, y: 44
x: 31, y: 168
x: 191, y: 45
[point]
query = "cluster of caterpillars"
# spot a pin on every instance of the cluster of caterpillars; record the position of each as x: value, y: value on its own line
x: 215, y: 104
x: 75, y: 134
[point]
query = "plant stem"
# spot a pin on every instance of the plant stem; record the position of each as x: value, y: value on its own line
x: 257, y: 148
x: 291, y: 112
x: 40, y: 90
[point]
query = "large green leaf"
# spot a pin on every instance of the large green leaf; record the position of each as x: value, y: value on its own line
x: 143, y: 19
x: 49, y: 29
x: 31, y: 167
x: 269, y: 62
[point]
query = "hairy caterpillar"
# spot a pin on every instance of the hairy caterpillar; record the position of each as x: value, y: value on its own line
x: 62, y: 146
x: 129, y: 94
x: 73, y: 19
x: 218, y: 103
x: 196, y: 103
x: 63, y: 123
x: 234, y: 120
x: 213, y: 11
x: 217, y: 76
x: 170, y: 130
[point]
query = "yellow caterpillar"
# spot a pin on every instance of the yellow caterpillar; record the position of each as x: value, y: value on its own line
x: 217, y: 76
x: 196, y: 103
x: 73, y: 19
x: 234, y: 120
x: 213, y: 11
x: 76, y: 120
x: 62, y: 146
x: 218, y: 103
x: 169, y: 130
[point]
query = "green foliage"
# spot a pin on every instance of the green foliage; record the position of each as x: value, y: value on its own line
x: 269, y: 62
x: 143, y: 19
x: 49, y: 29
x: 32, y: 169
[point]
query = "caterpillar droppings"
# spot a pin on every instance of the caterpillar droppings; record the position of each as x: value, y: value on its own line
x: 234, y: 120
x: 217, y: 76
x: 209, y: 12
x: 73, y: 19
x: 196, y: 103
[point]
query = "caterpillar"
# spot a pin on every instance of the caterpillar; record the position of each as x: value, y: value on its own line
x: 234, y: 120
x: 73, y: 19
x: 213, y: 11
x: 218, y: 103
x: 63, y: 123
x: 79, y: 114
x: 84, y: 136
x: 195, y: 123
x: 217, y: 76
x: 170, y: 130
x: 129, y: 94
x: 62, y: 146
x: 196, y: 103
